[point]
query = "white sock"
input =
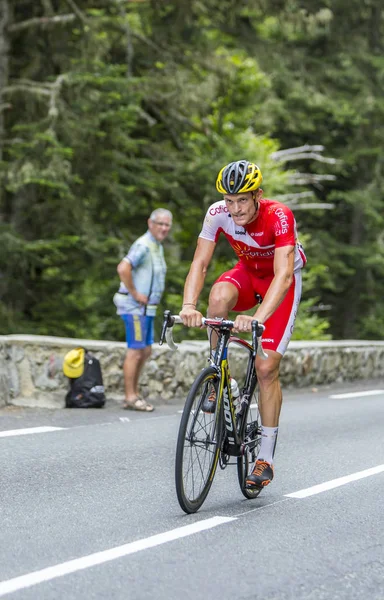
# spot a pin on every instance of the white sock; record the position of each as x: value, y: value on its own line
x: 268, y: 440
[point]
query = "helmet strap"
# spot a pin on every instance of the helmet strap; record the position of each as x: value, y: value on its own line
x: 256, y: 202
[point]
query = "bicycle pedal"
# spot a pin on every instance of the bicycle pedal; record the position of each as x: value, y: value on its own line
x: 255, y: 488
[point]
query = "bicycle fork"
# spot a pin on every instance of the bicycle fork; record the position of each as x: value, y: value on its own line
x: 233, y: 446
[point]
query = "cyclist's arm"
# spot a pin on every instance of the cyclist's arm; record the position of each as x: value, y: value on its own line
x: 283, y: 276
x: 195, y: 281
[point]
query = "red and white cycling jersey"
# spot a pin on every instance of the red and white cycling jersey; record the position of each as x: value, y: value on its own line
x: 255, y: 243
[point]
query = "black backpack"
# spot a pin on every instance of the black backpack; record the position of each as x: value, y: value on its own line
x: 87, y: 391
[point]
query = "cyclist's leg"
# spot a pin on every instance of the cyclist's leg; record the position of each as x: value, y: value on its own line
x: 224, y: 296
x: 270, y: 399
x: 279, y: 328
x: 278, y: 331
x: 231, y: 291
x: 222, y: 299
x: 269, y: 388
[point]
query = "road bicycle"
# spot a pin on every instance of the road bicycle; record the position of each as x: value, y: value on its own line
x: 229, y: 428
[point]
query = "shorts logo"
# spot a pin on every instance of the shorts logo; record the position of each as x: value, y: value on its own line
x: 137, y: 329
x: 267, y: 340
x: 240, y: 232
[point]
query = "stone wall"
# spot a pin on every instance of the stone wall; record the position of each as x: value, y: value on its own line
x: 31, y: 367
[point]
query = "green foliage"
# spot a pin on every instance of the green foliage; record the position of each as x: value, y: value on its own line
x: 130, y: 106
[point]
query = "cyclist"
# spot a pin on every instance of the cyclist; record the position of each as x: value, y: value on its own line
x: 263, y: 234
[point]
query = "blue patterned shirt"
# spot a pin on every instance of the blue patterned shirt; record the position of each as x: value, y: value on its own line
x: 146, y: 255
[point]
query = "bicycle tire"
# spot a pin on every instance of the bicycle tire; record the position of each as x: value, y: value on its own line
x: 198, y: 443
x: 251, y: 436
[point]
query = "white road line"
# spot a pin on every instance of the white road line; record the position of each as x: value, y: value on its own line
x: 358, y: 394
x: 329, y: 485
x: 12, y: 432
x: 26, y: 581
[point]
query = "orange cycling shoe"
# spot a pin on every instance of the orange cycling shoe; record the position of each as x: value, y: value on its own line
x: 261, y: 475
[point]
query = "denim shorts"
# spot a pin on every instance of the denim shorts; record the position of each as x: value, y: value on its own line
x: 139, y: 331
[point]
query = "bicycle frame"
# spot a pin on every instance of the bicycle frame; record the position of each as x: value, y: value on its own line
x: 234, y: 437
x: 250, y: 374
x: 220, y: 362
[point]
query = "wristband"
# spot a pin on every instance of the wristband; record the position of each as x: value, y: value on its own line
x: 189, y: 304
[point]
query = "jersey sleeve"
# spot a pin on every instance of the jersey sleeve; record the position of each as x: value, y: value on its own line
x: 212, y: 222
x: 284, y: 226
x: 136, y: 254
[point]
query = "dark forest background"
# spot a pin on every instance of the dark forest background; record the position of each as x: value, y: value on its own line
x: 112, y: 108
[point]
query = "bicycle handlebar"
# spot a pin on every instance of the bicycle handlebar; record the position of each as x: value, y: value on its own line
x: 171, y: 320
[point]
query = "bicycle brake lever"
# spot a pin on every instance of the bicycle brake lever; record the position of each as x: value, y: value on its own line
x: 257, y: 330
x: 168, y: 322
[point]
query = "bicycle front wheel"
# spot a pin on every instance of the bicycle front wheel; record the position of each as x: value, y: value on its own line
x: 198, y: 443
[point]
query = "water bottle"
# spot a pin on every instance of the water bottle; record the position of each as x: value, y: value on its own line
x: 235, y: 394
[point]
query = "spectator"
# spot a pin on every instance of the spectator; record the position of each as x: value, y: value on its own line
x: 142, y: 279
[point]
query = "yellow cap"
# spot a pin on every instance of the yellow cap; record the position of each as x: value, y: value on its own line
x: 73, y: 365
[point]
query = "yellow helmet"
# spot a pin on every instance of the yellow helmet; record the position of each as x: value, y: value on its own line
x: 237, y: 177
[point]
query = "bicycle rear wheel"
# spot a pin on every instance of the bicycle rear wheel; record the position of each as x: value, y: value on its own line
x: 198, y: 443
x: 251, y: 435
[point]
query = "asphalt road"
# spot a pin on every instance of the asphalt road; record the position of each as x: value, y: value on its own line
x: 88, y: 509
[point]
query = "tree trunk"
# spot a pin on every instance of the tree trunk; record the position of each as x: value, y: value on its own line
x: 351, y: 305
x: 375, y: 25
x: 4, y: 65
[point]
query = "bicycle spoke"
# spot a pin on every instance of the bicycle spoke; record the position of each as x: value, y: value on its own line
x: 199, y: 452
x: 198, y: 460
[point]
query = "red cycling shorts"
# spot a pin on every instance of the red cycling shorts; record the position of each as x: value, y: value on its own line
x: 279, y: 326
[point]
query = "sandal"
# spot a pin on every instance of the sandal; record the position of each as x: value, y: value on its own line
x: 138, y: 404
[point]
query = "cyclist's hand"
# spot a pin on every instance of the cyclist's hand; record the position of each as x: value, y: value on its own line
x: 191, y: 317
x: 141, y: 298
x: 243, y: 324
